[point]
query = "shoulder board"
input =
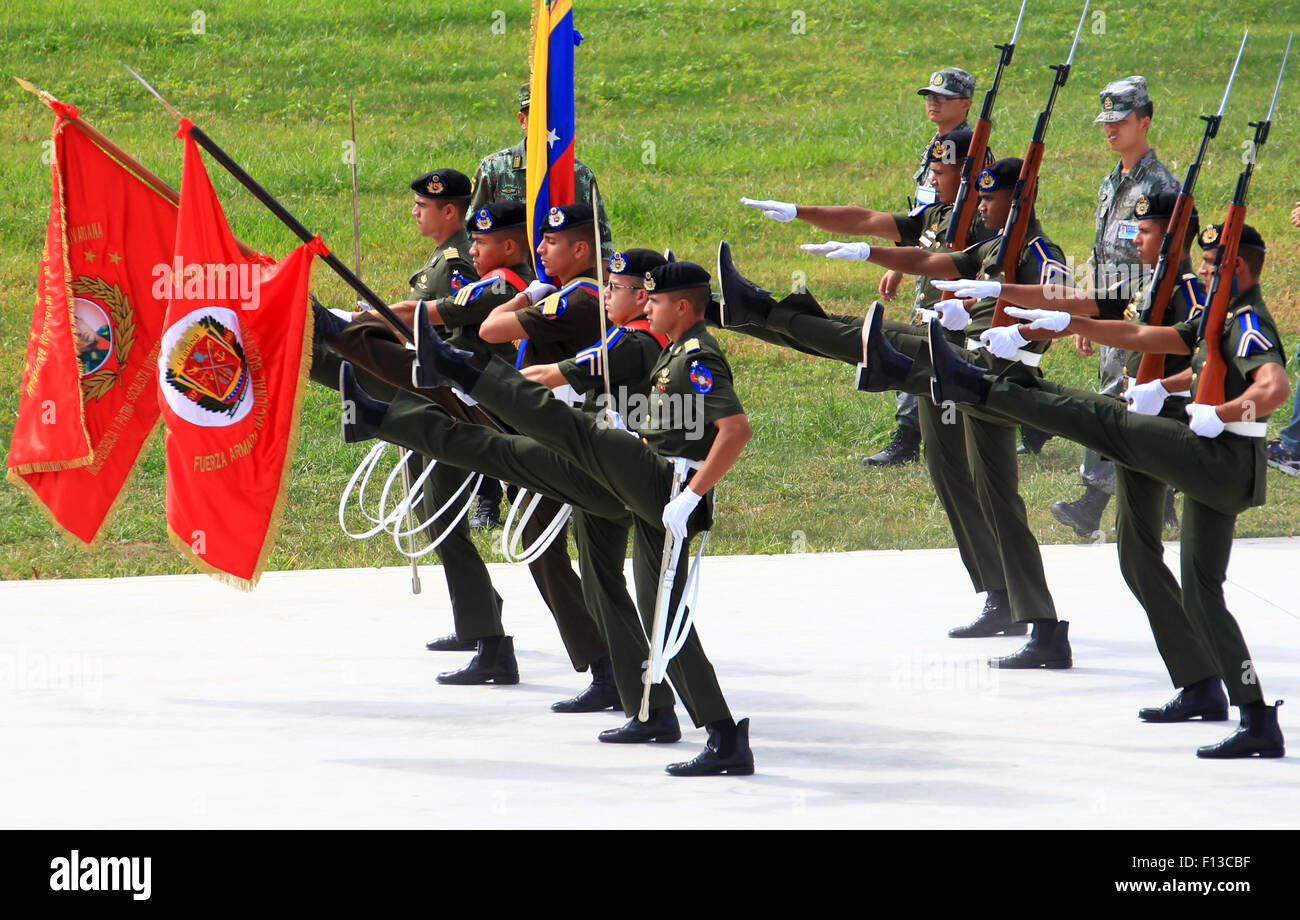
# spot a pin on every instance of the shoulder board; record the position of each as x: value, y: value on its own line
x: 690, y: 345
x: 451, y: 252
x: 1252, y: 338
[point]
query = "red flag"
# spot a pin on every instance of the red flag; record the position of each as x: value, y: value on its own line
x: 86, y: 408
x: 235, y: 351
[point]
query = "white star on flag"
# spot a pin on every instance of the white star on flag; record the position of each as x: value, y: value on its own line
x: 551, y: 138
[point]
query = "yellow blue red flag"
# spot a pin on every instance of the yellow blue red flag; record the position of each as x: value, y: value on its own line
x: 550, y: 116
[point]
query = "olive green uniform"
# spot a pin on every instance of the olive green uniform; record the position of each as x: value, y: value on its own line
x: 370, y: 344
x: 503, y: 175
x: 1219, y: 477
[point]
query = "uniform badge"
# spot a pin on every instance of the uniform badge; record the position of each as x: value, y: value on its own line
x: 509, y: 191
x: 435, y: 185
x: 701, y: 378
x: 1209, y: 235
x: 1142, y: 206
x: 938, y: 151
x: 649, y: 282
x: 484, y: 220
x: 936, y: 79
x: 1108, y: 103
x: 986, y: 180
x: 458, y: 281
x: 618, y: 263
x: 555, y: 218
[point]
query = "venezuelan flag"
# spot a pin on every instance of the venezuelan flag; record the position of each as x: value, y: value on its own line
x: 550, y: 117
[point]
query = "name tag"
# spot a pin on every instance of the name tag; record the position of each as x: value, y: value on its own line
x: 1128, y: 230
x: 926, y: 194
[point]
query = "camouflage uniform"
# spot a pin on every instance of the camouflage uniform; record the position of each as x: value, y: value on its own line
x: 1114, y: 256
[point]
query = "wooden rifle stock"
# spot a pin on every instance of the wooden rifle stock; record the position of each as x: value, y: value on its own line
x: 1210, y: 381
x: 1164, y: 282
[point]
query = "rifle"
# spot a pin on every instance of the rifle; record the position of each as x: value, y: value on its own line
x: 1026, y: 190
x: 963, y: 210
x: 1210, y: 381
x: 1165, y: 279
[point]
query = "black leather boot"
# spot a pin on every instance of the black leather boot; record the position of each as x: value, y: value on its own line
x: 883, y: 366
x: 1083, y: 515
x: 362, y: 413
x: 1203, y: 700
x: 994, y: 620
x: 661, y: 728
x: 1048, y: 647
x: 437, y: 363
x: 600, y: 694
x: 744, y: 303
x: 954, y: 379
x: 726, y: 751
x: 493, y: 663
x: 325, y: 325
x: 452, y: 643
x: 1258, y: 735
x: 905, y: 448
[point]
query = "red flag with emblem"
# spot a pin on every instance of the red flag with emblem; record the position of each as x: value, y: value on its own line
x: 86, y: 407
x: 235, y: 351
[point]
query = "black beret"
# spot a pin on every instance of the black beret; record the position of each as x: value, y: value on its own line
x: 675, y: 276
x: 499, y: 215
x: 950, y: 147
x: 634, y: 262
x: 1250, y: 238
x: 1159, y: 206
x: 442, y: 183
x: 568, y: 216
x: 1001, y: 174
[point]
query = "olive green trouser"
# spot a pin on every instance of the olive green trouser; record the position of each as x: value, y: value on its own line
x: 370, y: 344
x: 943, y: 432
x: 1215, y: 475
x: 415, y: 423
x: 475, y: 604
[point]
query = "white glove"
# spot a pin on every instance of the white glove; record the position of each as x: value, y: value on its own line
x: 1146, y: 398
x: 952, y: 315
x: 1004, y: 341
x: 536, y: 290
x: 784, y: 211
x: 967, y: 289
x: 1205, y: 420
x: 678, y: 511
x: 1051, y: 320
x: 849, y: 252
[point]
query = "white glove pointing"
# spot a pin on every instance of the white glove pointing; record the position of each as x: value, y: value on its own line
x: 784, y: 211
x: 849, y: 252
x: 1146, y: 398
x: 1051, y: 320
x: 970, y: 290
x: 678, y: 511
x: 952, y: 315
x: 1004, y: 341
x: 536, y: 290
x: 1205, y: 420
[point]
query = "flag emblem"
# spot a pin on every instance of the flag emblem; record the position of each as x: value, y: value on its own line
x: 93, y: 334
x: 701, y: 378
x: 205, y: 374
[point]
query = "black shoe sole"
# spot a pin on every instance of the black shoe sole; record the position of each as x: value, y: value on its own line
x: 736, y: 770
x: 565, y: 711
x: 1213, y: 715
x: 652, y: 739
x: 1055, y: 664
x: 504, y: 680
x: 1016, y: 629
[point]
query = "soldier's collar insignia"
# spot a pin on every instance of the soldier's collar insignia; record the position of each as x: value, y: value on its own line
x: 484, y: 220
x: 1209, y: 235
x: 618, y: 263
x: 1142, y: 206
x: 435, y: 185
x: 555, y: 218
x: 649, y: 283
x: 987, y: 181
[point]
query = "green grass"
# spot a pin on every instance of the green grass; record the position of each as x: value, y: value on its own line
x: 729, y: 100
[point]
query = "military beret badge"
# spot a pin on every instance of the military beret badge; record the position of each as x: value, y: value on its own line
x: 986, y: 180
x: 649, y: 282
x: 555, y: 218
x: 618, y: 263
x: 435, y: 185
x: 484, y: 220
x: 1210, y: 235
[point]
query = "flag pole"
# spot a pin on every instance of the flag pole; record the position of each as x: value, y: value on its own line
x: 279, y: 210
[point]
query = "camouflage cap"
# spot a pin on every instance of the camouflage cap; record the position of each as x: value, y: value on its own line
x: 1120, y: 98
x: 952, y: 82
x: 524, y: 96
x: 442, y: 183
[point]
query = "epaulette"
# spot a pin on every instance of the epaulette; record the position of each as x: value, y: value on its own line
x: 690, y: 345
x: 451, y: 252
x: 592, y: 356
x: 1252, y: 337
